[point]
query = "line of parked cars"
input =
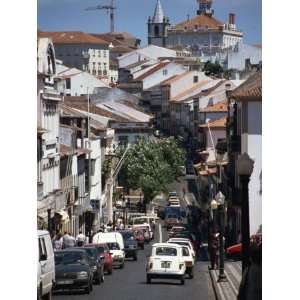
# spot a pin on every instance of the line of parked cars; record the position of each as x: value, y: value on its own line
x: 81, y: 267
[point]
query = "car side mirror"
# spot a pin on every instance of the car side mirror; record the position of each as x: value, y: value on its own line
x: 43, y: 257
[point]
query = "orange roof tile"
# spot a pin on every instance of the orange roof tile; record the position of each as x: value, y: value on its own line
x: 72, y: 37
x: 251, y: 89
x: 152, y: 71
x: 201, y: 21
x: 219, y: 123
x: 218, y: 107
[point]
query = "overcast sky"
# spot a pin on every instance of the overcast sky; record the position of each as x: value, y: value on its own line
x: 132, y: 15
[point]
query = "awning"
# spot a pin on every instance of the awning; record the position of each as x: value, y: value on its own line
x: 64, y: 216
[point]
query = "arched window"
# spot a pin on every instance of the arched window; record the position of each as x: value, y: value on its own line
x: 156, y: 30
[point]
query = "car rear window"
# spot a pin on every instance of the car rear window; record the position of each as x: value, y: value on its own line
x: 67, y: 258
x: 113, y: 246
x: 166, y: 251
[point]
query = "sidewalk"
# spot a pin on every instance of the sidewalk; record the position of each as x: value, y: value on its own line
x: 227, y: 290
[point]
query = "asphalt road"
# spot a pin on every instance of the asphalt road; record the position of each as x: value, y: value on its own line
x: 130, y: 283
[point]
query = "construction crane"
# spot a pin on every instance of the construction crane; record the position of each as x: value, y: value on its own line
x: 110, y: 9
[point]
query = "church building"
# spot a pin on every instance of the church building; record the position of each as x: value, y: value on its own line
x: 203, y: 34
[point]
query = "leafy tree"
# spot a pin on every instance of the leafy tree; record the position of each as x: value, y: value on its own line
x: 213, y: 69
x: 151, y: 166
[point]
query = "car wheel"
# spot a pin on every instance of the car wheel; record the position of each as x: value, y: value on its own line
x: 98, y: 279
x: 102, y: 277
x: 39, y: 294
x: 88, y: 289
x: 182, y: 281
x: 191, y: 274
x: 122, y: 265
x: 109, y: 271
x: 142, y: 247
x: 148, y: 279
x: 135, y: 257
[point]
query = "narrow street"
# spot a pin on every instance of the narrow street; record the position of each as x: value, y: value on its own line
x: 130, y: 283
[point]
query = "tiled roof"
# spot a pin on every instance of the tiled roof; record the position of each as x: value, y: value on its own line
x: 139, y: 63
x: 218, y: 107
x: 72, y: 37
x: 202, y: 21
x: 220, y: 123
x: 152, y: 71
x: 80, y: 103
x: 251, y: 89
x: 175, y: 78
x: 187, y: 92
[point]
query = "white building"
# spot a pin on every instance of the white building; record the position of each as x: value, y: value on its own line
x: 50, y: 198
x: 150, y: 53
x: 203, y: 35
x: 248, y: 100
x: 82, y: 51
x: 74, y: 82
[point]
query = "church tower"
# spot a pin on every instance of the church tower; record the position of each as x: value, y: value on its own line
x: 205, y: 7
x: 157, y: 27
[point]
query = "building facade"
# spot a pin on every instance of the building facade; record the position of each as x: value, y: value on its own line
x: 50, y: 196
x: 203, y: 34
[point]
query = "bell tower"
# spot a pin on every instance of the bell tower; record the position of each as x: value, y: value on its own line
x: 157, y: 27
x: 205, y: 7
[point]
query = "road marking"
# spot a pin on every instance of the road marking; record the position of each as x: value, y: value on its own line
x: 160, y: 233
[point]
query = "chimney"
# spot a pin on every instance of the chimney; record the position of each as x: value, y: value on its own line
x: 231, y: 18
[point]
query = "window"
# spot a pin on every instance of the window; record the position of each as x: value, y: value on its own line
x: 99, y: 53
x: 164, y: 251
x: 185, y: 251
x: 104, y: 53
x: 99, y: 66
x: 165, y: 72
x: 196, y: 79
x: 68, y: 83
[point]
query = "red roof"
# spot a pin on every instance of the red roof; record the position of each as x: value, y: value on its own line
x: 72, y: 37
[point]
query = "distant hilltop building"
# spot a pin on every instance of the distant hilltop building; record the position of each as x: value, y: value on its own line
x: 203, y: 35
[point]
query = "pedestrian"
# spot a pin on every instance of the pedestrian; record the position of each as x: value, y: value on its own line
x: 80, y: 239
x: 68, y: 240
x: 121, y: 226
x: 251, y: 284
x: 57, y: 241
x: 213, y: 251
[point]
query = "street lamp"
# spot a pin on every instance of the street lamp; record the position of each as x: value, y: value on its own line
x: 244, y: 169
x: 220, y: 198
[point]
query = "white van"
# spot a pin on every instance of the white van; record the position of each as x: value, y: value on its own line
x: 46, y: 266
x: 115, y: 243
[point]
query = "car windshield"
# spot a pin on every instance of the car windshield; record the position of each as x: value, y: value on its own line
x: 127, y: 235
x: 166, y: 251
x: 113, y: 246
x: 140, y: 221
x: 68, y: 258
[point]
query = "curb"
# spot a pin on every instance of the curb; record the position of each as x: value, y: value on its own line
x: 214, y: 286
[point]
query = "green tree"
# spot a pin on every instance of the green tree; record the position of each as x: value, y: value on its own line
x: 151, y: 165
x: 213, y: 69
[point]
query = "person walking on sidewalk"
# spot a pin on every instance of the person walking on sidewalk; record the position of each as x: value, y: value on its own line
x: 213, y: 251
x: 80, y: 239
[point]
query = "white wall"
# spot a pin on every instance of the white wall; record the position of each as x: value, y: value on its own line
x: 252, y: 144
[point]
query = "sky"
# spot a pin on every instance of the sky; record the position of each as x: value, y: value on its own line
x: 132, y: 15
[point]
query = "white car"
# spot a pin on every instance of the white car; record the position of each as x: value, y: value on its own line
x: 167, y: 262
x: 46, y: 266
x: 189, y: 261
x: 183, y: 242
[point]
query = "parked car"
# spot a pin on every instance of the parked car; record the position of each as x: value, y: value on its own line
x: 166, y: 261
x: 97, y: 263
x: 103, y: 253
x: 234, y: 252
x: 146, y: 228
x: 131, y: 245
x: 189, y: 261
x: 73, y: 270
x: 46, y: 266
x: 139, y: 237
x: 115, y: 243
